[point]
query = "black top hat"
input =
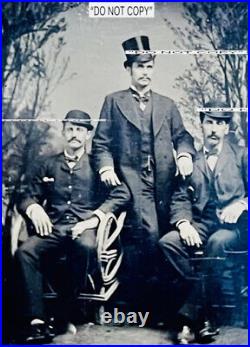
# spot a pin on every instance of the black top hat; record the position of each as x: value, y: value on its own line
x: 218, y: 114
x: 135, y: 44
x: 79, y: 118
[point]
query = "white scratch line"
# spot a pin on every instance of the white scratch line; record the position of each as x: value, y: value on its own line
x: 50, y: 120
x: 222, y: 109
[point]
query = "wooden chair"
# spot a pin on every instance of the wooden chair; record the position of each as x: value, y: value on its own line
x: 109, y: 256
x: 218, y: 303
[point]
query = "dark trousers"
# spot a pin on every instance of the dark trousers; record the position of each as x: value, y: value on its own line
x: 216, y: 240
x: 141, y: 253
x: 38, y: 254
x: 149, y: 223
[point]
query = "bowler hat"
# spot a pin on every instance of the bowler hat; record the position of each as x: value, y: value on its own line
x: 136, y: 44
x: 79, y: 118
x: 216, y: 111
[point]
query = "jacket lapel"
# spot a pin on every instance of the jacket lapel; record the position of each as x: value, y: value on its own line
x: 128, y: 109
x: 83, y: 162
x: 158, y: 115
x: 63, y: 163
x: 200, y: 163
x: 222, y: 161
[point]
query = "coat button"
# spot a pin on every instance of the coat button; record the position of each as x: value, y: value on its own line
x: 67, y: 217
x: 68, y: 202
x: 70, y: 187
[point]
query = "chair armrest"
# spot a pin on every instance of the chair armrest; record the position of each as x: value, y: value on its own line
x: 109, y: 250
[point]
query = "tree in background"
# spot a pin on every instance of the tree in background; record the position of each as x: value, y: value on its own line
x: 215, y: 26
x: 33, y: 65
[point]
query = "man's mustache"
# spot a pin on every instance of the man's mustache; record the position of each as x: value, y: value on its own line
x: 74, y: 139
x: 213, y: 136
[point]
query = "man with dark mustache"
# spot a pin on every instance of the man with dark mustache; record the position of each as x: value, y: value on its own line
x: 75, y: 202
x: 135, y: 139
x: 208, y: 212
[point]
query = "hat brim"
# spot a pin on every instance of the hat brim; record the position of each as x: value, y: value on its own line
x: 218, y: 115
x: 85, y: 124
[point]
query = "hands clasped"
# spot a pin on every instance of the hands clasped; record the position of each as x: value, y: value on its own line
x: 231, y: 213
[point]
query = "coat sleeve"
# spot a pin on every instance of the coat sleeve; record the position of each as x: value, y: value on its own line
x: 35, y: 191
x: 181, y: 203
x: 103, y: 138
x: 182, y: 140
x: 116, y: 199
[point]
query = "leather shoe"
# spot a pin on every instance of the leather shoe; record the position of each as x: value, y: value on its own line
x: 38, y: 333
x: 206, y: 333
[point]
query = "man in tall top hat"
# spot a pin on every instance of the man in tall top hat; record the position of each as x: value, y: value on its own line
x: 75, y: 201
x: 208, y: 211
x: 135, y: 141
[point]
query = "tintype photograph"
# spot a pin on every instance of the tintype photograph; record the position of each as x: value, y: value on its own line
x: 125, y: 173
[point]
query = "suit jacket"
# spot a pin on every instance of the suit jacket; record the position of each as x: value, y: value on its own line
x: 76, y: 190
x: 117, y: 142
x: 230, y: 183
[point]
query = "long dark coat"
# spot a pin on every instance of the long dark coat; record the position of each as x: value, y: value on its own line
x: 117, y: 142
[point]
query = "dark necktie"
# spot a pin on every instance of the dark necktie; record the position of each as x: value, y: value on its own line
x: 71, y: 159
x: 140, y: 98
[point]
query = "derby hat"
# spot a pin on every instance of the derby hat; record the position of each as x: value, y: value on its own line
x: 135, y: 44
x: 218, y: 114
x: 79, y: 118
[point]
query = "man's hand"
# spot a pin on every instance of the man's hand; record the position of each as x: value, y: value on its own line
x: 185, y: 166
x: 110, y: 178
x: 231, y: 213
x: 189, y: 234
x: 80, y: 227
x: 41, y: 220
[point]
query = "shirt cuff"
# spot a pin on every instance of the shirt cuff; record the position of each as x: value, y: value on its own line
x: 105, y: 168
x: 181, y: 221
x: 244, y: 203
x: 184, y: 154
x: 30, y: 208
x: 99, y: 214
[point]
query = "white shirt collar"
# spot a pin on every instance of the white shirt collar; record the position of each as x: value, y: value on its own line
x: 146, y: 90
x: 219, y: 148
x: 79, y: 154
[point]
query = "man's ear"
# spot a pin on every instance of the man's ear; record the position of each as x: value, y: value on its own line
x: 129, y: 69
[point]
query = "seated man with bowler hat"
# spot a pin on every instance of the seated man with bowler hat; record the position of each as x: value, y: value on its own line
x: 136, y: 139
x: 209, y: 213
x: 65, y: 225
